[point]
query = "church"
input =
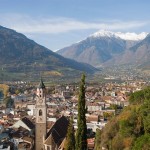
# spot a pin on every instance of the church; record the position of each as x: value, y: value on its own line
x: 48, y: 139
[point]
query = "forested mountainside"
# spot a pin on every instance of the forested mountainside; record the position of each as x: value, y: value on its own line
x: 18, y: 54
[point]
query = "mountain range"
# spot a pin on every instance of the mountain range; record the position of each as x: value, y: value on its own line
x: 106, y: 48
x: 20, y: 54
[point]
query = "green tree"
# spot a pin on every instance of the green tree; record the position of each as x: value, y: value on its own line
x: 70, y: 139
x: 9, y: 102
x: 17, y: 92
x: 98, y: 139
x: 117, y: 143
x: 81, y: 134
x: 142, y: 143
x: 145, y: 111
x: 108, y: 133
x: 1, y: 94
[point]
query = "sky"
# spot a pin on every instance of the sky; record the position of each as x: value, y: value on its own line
x: 56, y: 24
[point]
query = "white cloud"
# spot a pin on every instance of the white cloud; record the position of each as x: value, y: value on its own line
x: 29, y: 25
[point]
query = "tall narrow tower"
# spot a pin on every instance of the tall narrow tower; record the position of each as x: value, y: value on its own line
x: 41, y: 115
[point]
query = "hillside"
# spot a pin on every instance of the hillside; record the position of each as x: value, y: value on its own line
x: 20, y: 54
x: 130, y: 129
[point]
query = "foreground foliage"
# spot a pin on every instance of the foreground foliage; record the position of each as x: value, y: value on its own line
x: 70, y: 139
x: 97, y: 139
x: 130, y: 129
x: 81, y: 134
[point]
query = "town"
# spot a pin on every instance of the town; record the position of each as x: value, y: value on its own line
x: 74, y: 75
x: 18, y: 111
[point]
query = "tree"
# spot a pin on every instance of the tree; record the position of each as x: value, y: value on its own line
x: 70, y: 139
x: 1, y: 93
x: 5, y: 89
x: 98, y: 139
x: 9, y: 102
x: 17, y: 92
x: 142, y: 143
x: 81, y: 134
x: 117, y: 143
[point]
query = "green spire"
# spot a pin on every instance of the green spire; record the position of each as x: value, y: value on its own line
x: 81, y: 137
x: 70, y: 139
x: 41, y: 84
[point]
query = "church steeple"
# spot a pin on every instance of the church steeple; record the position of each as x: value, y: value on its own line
x: 41, y: 115
x: 41, y: 93
x: 41, y: 84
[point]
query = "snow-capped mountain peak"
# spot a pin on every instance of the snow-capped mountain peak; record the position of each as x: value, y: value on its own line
x: 104, y: 33
x: 126, y: 36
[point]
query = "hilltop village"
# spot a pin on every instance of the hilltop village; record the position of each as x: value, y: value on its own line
x: 19, y: 119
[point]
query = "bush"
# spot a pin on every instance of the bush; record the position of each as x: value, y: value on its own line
x: 142, y: 143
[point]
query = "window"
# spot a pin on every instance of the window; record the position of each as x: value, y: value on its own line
x: 40, y: 112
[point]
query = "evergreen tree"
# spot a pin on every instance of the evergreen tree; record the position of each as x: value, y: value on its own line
x: 81, y: 134
x: 70, y: 139
x: 97, y: 139
x: 9, y: 102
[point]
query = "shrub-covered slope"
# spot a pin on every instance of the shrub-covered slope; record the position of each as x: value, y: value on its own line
x: 130, y: 129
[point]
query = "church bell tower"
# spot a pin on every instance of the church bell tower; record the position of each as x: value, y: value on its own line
x: 41, y: 116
